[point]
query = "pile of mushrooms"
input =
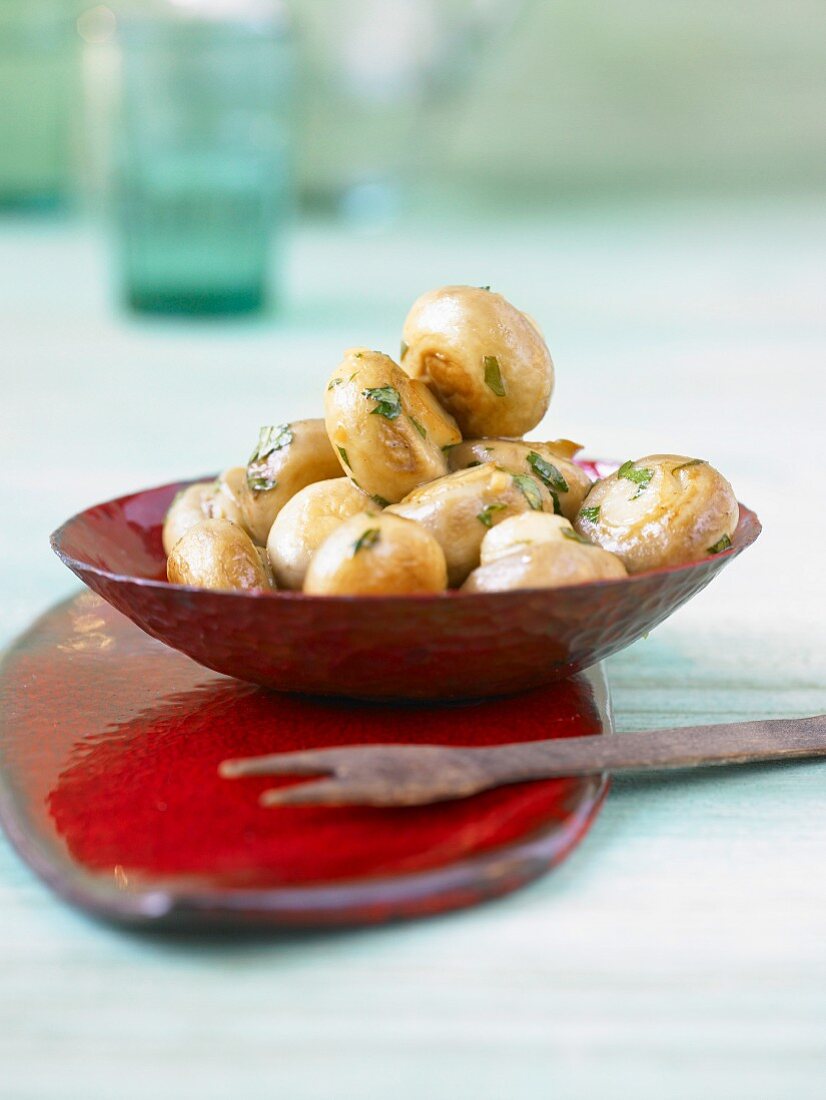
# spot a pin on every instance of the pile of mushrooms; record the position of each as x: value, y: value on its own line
x: 419, y: 478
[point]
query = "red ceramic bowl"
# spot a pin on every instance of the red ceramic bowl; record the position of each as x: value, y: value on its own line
x: 442, y: 647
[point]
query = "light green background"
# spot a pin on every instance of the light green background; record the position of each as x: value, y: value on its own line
x: 594, y: 99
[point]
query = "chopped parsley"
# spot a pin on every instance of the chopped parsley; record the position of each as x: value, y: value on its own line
x: 722, y: 544
x: 367, y: 539
x: 591, y: 514
x: 382, y: 503
x: 388, y: 401
x: 403, y: 350
x: 484, y: 288
x: 640, y: 477
x: 419, y: 428
x: 685, y: 465
x: 493, y: 375
x: 570, y: 533
x: 529, y: 489
x: 344, y: 457
x: 271, y: 438
x: 485, y: 517
x: 547, y: 473
x: 334, y: 382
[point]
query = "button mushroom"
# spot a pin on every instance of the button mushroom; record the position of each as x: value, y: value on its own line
x: 553, y: 564
x: 287, y: 457
x: 566, y: 482
x: 486, y: 361
x: 204, y: 500
x: 377, y: 555
x: 388, y: 431
x: 226, y: 503
x: 217, y: 554
x: 305, y: 522
x: 458, y: 509
x: 660, y: 510
x: 520, y: 532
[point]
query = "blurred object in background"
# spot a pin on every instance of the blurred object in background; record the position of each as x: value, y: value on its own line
x: 39, y: 102
x: 202, y: 153
x: 611, y: 99
x: 372, y: 68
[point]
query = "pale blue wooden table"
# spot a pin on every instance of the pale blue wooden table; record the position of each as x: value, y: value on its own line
x: 681, y: 951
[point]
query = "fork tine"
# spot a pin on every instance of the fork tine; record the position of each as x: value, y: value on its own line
x: 309, y: 762
x: 322, y: 792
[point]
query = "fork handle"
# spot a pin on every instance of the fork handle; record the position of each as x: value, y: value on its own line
x: 689, y: 747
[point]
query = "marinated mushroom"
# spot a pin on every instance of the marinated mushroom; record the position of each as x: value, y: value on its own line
x: 520, y: 532
x: 261, y: 551
x: 553, y: 564
x: 377, y: 555
x: 188, y: 508
x: 286, y: 458
x: 226, y: 504
x: 458, y: 509
x: 305, y: 522
x: 388, y: 431
x: 549, y: 462
x: 203, y: 500
x: 660, y: 510
x: 486, y: 361
x: 217, y: 554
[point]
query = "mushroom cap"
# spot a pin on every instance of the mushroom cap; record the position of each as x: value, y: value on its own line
x: 377, y: 555
x: 486, y: 361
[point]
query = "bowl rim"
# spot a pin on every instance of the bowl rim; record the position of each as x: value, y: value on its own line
x: 744, y: 536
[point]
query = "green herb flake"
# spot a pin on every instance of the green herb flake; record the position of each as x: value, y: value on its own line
x: 403, y: 350
x: 685, y: 465
x: 493, y: 375
x: 722, y: 544
x: 382, y: 503
x: 485, y: 517
x: 574, y: 536
x: 591, y: 514
x: 333, y: 383
x: 484, y: 288
x: 419, y: 427
x: 344, y: 457
x: 547, y: 473
x: 641, y: 477
x: 271, y: 438
x: 388, y: 401
x: 366, y: 540
x: 530, y: 490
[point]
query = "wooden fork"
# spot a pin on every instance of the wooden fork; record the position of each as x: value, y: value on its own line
x: 413, y: 775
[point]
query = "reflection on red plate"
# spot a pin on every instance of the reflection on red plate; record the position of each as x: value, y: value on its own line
x: 447, y: 646
x: 109, y: 748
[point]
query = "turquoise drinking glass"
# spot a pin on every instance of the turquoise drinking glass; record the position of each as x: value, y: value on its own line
x: 203, y: 158
x: 39, y: 101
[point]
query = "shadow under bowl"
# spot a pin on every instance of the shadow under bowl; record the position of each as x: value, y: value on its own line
x: 449, y: 646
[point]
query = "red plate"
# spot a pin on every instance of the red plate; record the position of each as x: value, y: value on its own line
x: 109, y: 748
x: 449, y: 646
